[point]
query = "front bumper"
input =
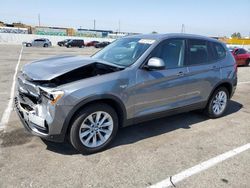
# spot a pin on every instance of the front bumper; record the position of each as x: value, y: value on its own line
x: 35, y: 124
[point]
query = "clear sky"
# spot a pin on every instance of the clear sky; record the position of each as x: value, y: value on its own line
x: 205, y: 17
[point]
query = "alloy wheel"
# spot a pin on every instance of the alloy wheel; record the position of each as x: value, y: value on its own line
x: 96, y: 129
x: 219, y: 102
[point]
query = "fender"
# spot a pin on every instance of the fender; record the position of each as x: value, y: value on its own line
x: 226, y: 82
x: 88, y: 100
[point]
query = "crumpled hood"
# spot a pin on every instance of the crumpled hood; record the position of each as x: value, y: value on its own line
x: 47, y: 69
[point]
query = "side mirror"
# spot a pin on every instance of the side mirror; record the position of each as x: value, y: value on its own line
x: 155, y: 63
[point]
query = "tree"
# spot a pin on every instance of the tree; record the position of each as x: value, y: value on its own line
x: 236, y: 35
x: 154, y: 32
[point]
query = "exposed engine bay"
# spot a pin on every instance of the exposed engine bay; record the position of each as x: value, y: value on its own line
x: 87, y: 71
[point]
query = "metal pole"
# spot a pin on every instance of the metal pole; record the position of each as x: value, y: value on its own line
x: 39, y: 23
x: 119, y: 26
x: 182, y: 28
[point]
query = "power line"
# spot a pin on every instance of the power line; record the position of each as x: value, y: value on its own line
x: 119, y: 26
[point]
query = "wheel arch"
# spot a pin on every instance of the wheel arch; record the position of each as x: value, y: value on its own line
x: 248, y: 61
x: 226, y: 84
x: 111, y: 100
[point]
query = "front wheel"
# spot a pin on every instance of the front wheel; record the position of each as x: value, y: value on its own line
x: 94, y: 128
x: 217, y: 103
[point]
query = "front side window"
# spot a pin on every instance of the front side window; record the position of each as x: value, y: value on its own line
x: 171, y: 52
x: 198, y: 52
x: 124, y: 52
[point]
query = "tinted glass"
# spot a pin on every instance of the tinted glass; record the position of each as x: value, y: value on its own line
x: 171, y: 52
x: 198, y: 52
x: 241, y: 51
x: 219, y: 51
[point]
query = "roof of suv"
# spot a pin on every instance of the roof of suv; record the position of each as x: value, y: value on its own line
x: 171, y: 35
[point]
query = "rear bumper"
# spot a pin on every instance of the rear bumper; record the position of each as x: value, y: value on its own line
x: 33, y: 128
x: 234, y: 85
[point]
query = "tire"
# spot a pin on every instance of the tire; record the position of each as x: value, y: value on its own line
x: 90, y: 132
x: 247, y: 62
x: 215, y: 112
x: 45, y: 45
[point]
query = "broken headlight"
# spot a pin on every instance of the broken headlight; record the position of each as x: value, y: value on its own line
x: 52, y: 95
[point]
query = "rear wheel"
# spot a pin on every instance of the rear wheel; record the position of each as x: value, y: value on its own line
x: 247, y: 62
x: 94, y: 128
x: 217, y: 103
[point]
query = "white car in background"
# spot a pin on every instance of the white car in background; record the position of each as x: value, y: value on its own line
x: 42, y: 42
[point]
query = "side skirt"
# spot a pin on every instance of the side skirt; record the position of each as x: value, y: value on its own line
x: 157, y: 115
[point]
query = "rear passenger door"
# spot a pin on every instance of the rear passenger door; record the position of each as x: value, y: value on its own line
x: 203, y: 70
x: 36, y: 42
x: 74, y: 43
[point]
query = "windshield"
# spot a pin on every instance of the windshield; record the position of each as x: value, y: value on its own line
x: 124, y: 52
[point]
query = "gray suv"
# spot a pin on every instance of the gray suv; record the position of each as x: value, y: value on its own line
x: 134, y: 79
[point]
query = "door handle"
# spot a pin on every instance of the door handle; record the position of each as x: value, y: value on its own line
x: 180, y: 73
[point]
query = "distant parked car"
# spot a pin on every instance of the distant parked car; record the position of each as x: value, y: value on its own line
x: 241, y: 56
x: 75, y: 43
x: 62, y: 43
x: 102, y: 44
x: 39, y: 43
x: 92, y: 43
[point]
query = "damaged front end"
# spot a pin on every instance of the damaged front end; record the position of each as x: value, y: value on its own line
x: 37, y: 100
x: 36, y: 105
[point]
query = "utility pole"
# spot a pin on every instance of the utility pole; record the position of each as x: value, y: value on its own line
x: 119, y: 26
x: 39, y: 23
x: 94, y: 24
x: 182, y: 28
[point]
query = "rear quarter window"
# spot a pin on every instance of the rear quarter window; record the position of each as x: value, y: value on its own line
x: 199, y: 52
x: 219, y: 51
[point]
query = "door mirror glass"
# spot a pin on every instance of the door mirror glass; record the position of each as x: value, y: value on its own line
x: 155, y: 63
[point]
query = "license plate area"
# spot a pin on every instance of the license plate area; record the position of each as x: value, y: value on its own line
x: 32, y: 118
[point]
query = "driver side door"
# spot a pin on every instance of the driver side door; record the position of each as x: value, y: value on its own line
x: 162, y: 90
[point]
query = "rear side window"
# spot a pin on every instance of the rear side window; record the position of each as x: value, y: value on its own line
x: 241, y: 51
x: 219, y: 51
x: 199, y: 52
